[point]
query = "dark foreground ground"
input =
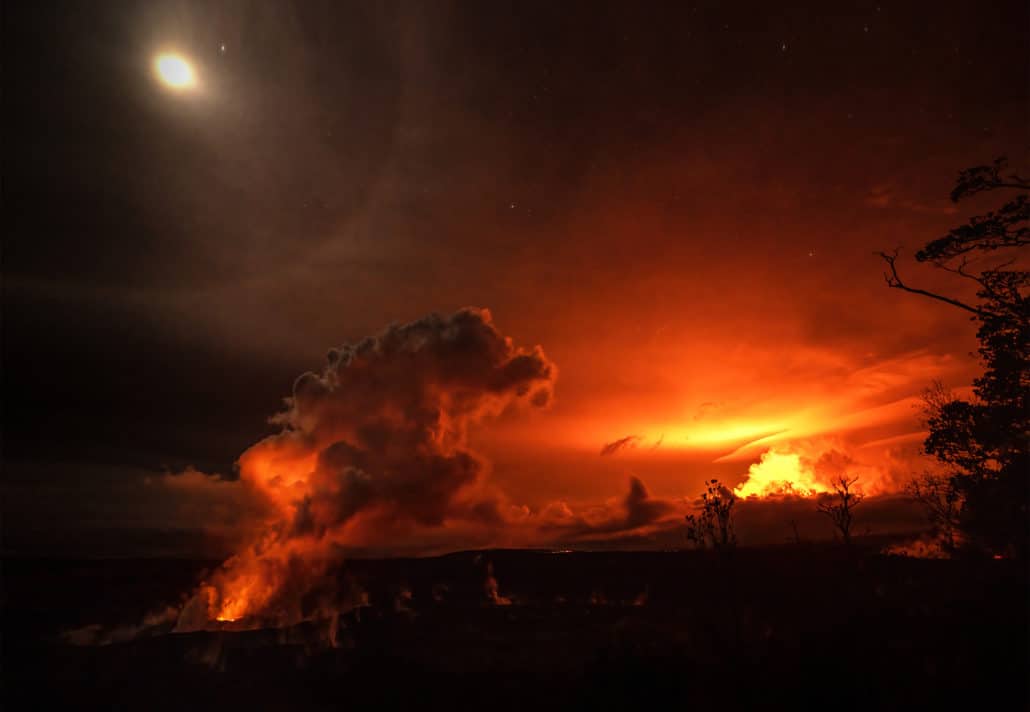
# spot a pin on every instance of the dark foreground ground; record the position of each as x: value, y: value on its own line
x: 792, y: 628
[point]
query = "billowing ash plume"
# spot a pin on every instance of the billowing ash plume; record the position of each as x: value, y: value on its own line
x: 377, y: 440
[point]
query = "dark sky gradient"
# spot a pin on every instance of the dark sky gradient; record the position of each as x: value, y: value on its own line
x: 680, y: 204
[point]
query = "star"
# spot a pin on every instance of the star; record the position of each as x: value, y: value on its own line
x: 783, y: 46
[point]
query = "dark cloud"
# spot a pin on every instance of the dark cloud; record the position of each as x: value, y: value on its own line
x: 641, y: 508
x: 636, y: 511
x: 387, y: 419
x: 615, y: 446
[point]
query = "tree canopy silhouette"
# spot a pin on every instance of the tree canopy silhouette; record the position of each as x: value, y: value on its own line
x: 983, y: 441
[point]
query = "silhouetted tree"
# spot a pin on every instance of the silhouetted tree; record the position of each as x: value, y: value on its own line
x: 984, y: 440
x: 839, y: 506
x: 941, y: 499
x: 794, y: 529
x: 713, y: 525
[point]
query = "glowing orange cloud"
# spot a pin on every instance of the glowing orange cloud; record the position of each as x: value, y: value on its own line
x: 379, y: 436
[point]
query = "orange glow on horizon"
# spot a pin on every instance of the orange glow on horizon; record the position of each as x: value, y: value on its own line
x: 763, y: 432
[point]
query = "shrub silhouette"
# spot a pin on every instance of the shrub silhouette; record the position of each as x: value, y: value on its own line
x: 712, y: 527
x: 942, y: 502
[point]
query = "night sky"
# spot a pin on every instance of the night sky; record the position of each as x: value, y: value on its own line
x: 679, y: 204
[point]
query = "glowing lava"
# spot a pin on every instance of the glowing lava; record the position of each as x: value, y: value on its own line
x: 780, y: 473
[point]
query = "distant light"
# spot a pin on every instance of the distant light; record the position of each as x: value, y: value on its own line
x: 174, y: 71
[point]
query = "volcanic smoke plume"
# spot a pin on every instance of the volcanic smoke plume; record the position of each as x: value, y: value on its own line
x: 376, y: 441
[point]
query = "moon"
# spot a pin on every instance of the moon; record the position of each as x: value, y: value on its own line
x: 174, y: 71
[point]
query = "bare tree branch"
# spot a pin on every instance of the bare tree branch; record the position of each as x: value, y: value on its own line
x: 985, y: 284
x: 840, y: 505
x: 894, y: 281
